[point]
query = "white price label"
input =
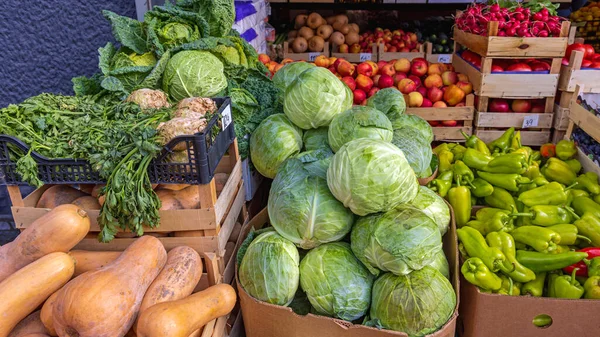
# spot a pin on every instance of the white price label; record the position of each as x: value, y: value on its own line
x: 445, y: 58
x: 531, y: 121
x: 313, y: 56
x: 365, y: 57
x: 226, y: 117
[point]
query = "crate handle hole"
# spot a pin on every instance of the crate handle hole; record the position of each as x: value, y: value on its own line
x: 542, y: 321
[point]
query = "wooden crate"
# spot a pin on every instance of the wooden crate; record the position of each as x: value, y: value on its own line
x: 497, y: 46
x: 356, y: 57
x: 436, y: 58
x: 387, y: 56
x: 572, y: 75
x: 288, y: 53
x: 446, y: 133
x: 587, y: 121
x: 490, y: 125
x: 508, y: 85
x: 557, y: 135
x: 561, y: 118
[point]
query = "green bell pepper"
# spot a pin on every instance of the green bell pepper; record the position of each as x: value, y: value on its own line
x: 593, y: 267
x: 515, y: 142
x: 566, y: 149
x: 557, y: 170
x: 444, y: 146
x: 478, y: 274
x: 481, y: 188
x: 567, y: 286
x: 475, y: 246
x: 592, y: 288
x: 589, y: 226
x: 459, y: 152
x: 508, y: 163
x: 535, y: 287
x: 542, y: 262
x: 508, y: 181
x: 459, y: 198
x: 506, y: 244
x: 541, y: 239
x: 549, y: 194
x: 502, y: 144
x: 442, y: 184
x: 509, y: 287
x: 574, y: 164
x: 568, y: 234
x: 585, y: 205
x: 475, y: 159
x: 445, y: 158
x: 474, y: 142
x: 489, y: 220
x: 588, y: 182
x: 500, y: 198
x: 462, y: 173
x: 548, y: 215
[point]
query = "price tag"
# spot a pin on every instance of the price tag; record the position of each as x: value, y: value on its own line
x: 445, y: 58
x: 365, y: 57
x: 313, y: 56
x: 226, y: 117
x: 531, y: 121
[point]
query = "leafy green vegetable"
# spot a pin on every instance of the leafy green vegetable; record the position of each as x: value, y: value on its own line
x: 336, y: 283
x: 286, y: 75
x: 269, y: 269
x: 303, y: 210
x: 389, y: 101
x: 315, y: 139
x: 418, y: 152
x: 316, y: 162
x: 314, y: 98
x: 220, y: 14
x: 440, y: 263
x: 399, y: 241
x: 358, y: 122
x: 410, y: 123
x: 275, y: 140
x: 129, y: 32
x: 417, y: 304
x: 371, y: 176
x: 434, y: 206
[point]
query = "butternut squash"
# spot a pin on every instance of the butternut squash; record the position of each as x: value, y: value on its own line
x: 96, y: 190
x: 46, y: 313
x: 173, y: 187
x: 59, y: 195
x: 28, y: 326
x: 106, y: 301
x: 86, y: 260
x: 22, y: 292
x: 57, y: 231
x: 87, y: 202
x: 177, y: 280
x: 182, y: 317
x: 35, y: 334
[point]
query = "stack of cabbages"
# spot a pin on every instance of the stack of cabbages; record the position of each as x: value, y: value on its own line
x: 353, y: 232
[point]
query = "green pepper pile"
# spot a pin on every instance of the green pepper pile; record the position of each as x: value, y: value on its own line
x: 539, y: 228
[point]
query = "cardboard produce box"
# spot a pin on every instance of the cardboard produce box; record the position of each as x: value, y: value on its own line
x: 266, y: 320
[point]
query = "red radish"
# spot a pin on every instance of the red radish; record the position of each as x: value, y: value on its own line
x: 498, y: 105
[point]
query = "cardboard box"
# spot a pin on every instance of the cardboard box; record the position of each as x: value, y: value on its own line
x: 266, y: 320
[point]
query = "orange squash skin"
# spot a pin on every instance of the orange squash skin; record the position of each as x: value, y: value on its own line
x: 86, y: 260
x: 30, y: 326
x: 182, y: 317
x: 105, y: 302
x: 25, y: 290
x: 46, y: 314
x: 58, y: 231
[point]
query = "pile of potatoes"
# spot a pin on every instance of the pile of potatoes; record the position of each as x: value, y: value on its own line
x: 312, y: 31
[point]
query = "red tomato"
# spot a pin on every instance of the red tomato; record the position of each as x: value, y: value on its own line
x: 586, y: 64
x: 595, y: 65
x: 589, y: 51
x: 575, y: 46
x: 519, y: 67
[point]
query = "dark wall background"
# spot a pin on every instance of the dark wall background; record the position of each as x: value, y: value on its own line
x: 43, y: 44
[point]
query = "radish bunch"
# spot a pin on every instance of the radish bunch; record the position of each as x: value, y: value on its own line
x: 513, y: 21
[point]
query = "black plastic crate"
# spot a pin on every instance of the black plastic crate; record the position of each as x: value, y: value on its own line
x: 204, y: 151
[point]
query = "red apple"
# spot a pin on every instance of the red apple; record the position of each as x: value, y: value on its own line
x: 387, y: 69
x: 435, y: 94
x: 359, y: 96
x: 521, y: 105
x: 365, y: 69
x: 322, y: 61
x: 393, y: 49
x: 419, y: 67
x: 402, y: 65
x: 538, y: 66
x: 462, y: 77
x: 407, y: 86
x: 519, y: 67
x: 345, y: 68
x: 333, y: 70
x: 349, y: 81
x: 449, y: 77
x: 497, y: 69
x: 286, y: 61
x: 440, y: 104
x: 467, y: 87
x: 415, y: 99
x: 364, y: 83
x: 426, y: 103
x: 264, y: 59
x: 595, y: 65
x: 381, y: 64
x: 373, y: 91
x: 537, y: 108
x: 498, y: 105
x: 565, y: 61
x: 385, y: 81
x: 586, y: 64
x: 453, y: 95
x: 422, y: 90
x: 449, y: 123
x: 434, y: 80
x: 355, y: 48
x: 398, y: 77
x: 436, y: 68
x: 434, y: 123
x: 415, y: 79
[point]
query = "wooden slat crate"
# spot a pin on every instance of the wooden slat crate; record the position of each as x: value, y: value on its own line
x: 288, y: 53
x: 557, y: 135
x: 490, y: 125
x: 387, y: 56
x: 572, y: 75
x: 587, y: 121
x: 465, y: 114
x: 436, y: 58
x: 504, y: 85
x: 356, y: 57
x: 497, y: 46
x: 561, y: 118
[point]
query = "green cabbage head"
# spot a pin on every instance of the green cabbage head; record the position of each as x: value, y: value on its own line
x: 269, y: 270
x: 390, y: 101
x: 370, y: 176
x: 359, y: 122
x: 418, y: 304
x: 336, y: 283
x: 314, y: 98
x: 315, y: 139
x: 193, y: 73
x: 434, y: 206
x: 286, y: 75
x: 176, y: 33
x: 399, y: 241
x: 303, y: 210
x: 440, y: 263
x: 272, y: 142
